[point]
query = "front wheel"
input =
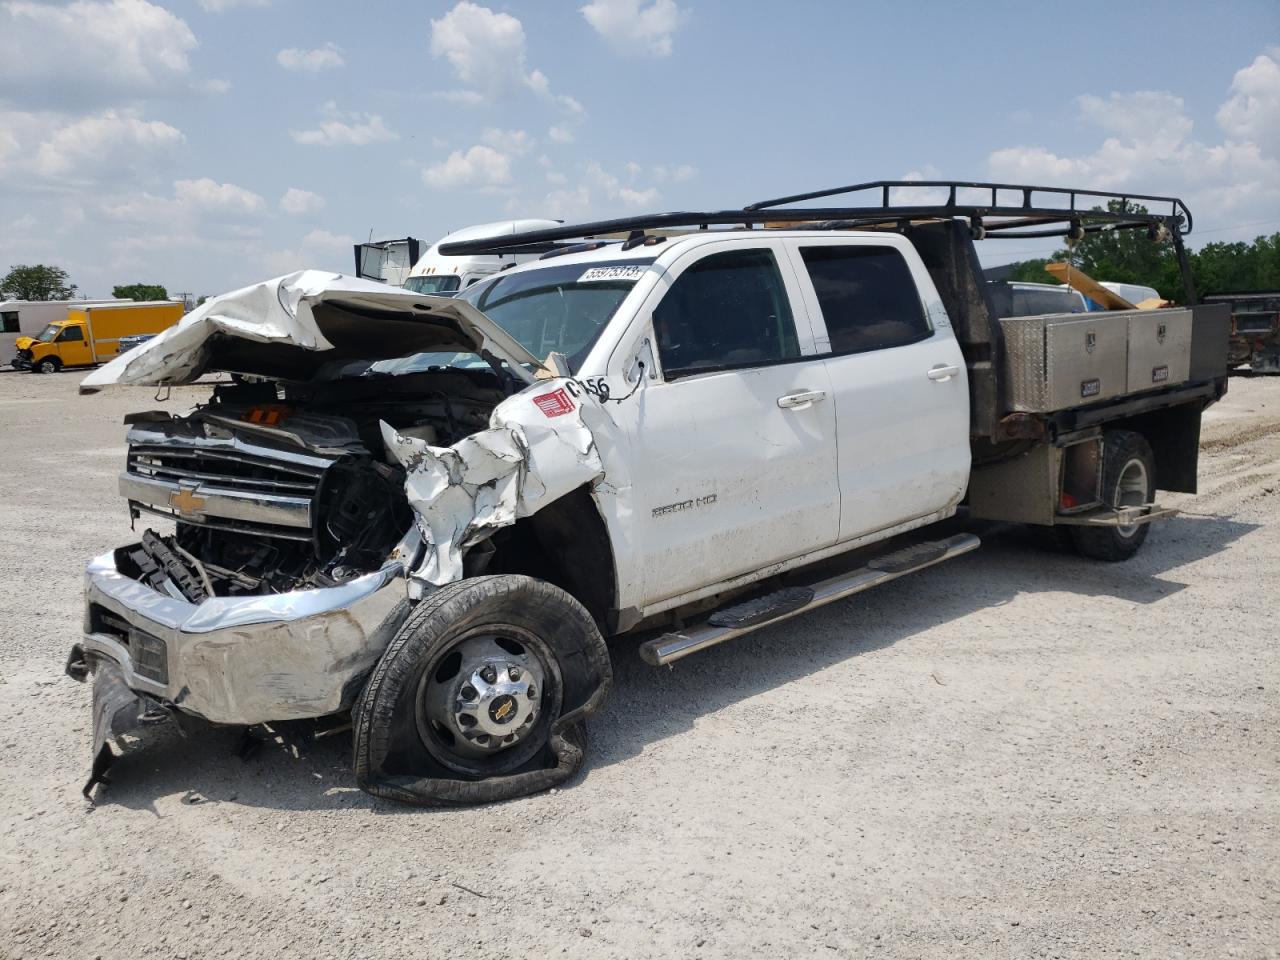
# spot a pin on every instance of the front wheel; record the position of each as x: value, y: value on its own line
x: 48, y: 365
x: 481, y: 695
x: 1128, y: 480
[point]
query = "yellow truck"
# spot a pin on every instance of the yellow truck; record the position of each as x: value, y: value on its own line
x: 91, y: 334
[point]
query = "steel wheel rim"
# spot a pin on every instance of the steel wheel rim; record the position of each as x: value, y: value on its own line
x: 1131, y: 491
x: 481, y: 724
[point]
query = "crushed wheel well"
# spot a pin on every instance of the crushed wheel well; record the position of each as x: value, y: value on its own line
x: 565, y: 543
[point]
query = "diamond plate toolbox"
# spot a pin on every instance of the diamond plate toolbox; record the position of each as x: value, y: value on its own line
x: 1059, y: 361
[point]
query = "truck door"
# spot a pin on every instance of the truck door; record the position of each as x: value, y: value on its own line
x: 72, y: 348
x: 900, y: 389
x: 733, y: 445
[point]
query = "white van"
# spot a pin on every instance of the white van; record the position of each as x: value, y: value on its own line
x: 26, y: 318
x: 447, y: 275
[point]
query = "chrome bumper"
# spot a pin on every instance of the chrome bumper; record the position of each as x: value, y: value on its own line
x: 246, y: 660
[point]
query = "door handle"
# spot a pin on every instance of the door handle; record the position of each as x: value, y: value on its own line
x: 943, y: 371
x: 801, y: 399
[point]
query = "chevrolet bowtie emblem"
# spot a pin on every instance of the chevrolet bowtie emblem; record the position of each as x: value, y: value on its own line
x: 186, y: 501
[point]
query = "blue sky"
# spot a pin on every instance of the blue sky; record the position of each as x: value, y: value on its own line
x: 208, y: 144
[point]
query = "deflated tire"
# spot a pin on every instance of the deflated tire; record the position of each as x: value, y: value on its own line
x: 481, y: 695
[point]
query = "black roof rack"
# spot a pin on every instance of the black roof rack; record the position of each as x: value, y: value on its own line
x: 999, y: 210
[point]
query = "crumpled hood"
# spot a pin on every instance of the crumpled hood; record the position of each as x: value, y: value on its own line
x: 288, y: 327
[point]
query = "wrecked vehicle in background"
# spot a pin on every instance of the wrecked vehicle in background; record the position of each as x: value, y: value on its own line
x: 407, y: 514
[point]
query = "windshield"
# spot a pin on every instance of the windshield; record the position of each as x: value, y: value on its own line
x: 557, y: 308
x: 48, y: 333
x: 446, y: 283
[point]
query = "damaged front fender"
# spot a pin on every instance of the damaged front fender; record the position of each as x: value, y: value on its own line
x: 540, y: 446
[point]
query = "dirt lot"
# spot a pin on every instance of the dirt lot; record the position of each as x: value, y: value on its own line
x: 1021, y: 754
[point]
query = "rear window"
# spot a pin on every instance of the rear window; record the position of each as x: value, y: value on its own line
x: 868, y: 297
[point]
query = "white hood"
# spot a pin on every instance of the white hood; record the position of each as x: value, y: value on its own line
x: 290, y: 326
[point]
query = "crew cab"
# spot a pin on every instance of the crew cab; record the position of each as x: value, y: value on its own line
x: 622, y: 438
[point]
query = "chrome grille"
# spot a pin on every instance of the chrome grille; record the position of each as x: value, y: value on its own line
x: 224, y: 483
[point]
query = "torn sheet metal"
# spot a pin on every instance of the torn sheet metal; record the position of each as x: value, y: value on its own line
x: 305, y: 319
x: 539, y: 447
x: 117, y: 710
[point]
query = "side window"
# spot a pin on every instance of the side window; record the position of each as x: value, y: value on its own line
x: 727, y: 310
x: 868, y: 298
x: 70, y: 334
x: 9, y: 322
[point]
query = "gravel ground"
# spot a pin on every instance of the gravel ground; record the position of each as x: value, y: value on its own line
x: 1020, y: 754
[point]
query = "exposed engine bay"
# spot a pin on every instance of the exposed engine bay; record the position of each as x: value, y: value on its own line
x: 281, y: 487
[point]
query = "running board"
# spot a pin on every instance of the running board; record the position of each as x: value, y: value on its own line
x: 733, y: 622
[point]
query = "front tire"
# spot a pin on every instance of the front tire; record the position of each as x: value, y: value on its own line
x: 47, y: 365
x: 1128, y: 480
x: 481, y: 695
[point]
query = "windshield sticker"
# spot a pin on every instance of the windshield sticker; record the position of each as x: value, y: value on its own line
x: 629, y: 271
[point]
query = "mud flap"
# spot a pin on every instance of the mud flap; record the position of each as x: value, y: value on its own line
x: 116, y: 711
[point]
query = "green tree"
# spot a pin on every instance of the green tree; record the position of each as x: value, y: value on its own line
x: 1127, y: 256
x: 1222, y: 267
x: 140, y: 291
x: 37, y: 282
x: 1130, y: 256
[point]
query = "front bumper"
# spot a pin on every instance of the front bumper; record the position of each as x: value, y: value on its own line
x: 245, y: 660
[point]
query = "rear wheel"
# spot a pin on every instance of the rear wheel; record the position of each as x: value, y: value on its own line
x: 1128, y: 480
x: 481, y: 694
x: 47, y: 365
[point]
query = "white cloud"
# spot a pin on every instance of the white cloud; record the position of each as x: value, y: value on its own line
x: 487, y: 53
x: 311, y: 61
x: 91, y: 52
x: 297, y: 201
x: 481, y: 167
x: 597, y: 193
x: 209, y: 195
x: 100, y: 144
x: 680, y: 173
x: 319, y: 249
x: 560, y: 134
x: 1150, y: 149
x: 345, y: 130
x: 1252, y: 112
x: 328, y: 241
x: 195, y: 206
x: 215, y: 86
x: 221, y: 6
x: 515, y: 142
x: 633, y: 29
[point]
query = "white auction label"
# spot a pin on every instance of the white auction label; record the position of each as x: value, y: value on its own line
x: 623, y: 272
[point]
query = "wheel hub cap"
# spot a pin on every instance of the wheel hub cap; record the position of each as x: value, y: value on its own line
x: 492, y: 700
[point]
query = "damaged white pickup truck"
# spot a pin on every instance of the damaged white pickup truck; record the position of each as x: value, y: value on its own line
x: 430, y: 511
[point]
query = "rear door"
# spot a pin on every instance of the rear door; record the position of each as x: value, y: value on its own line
x: 733, y: 447
x: 900, y: 389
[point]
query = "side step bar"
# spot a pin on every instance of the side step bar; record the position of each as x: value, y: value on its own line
x: 672, y: 646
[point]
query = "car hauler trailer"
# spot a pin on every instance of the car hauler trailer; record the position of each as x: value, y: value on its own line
x: 650, y: 431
